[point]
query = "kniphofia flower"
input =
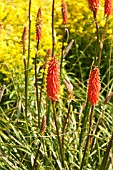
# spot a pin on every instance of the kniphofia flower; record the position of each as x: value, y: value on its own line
x: 39, y: 25
x: 94, y: 86
x: 53, y: 80
x: 93, y: 6
x: 64, y: 12
x: 108, y: 7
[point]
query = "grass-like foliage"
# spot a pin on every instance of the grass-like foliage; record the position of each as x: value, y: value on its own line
x: 56, y: 85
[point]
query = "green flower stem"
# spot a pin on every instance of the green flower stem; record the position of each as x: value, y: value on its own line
x: 88, y: 137
x: 53, y: 38
x: 40, y: 96
x: 62, y: 51
x: 25, y: 72
x: 83, y: 128
x: 65, y: 123
x: 37, y: 153
x: 102, y: 42
x: 105, y: 159
x: 27, y: 67
x: 29, y: 34
x: 36, y: 81
x: 97, y: 32
x: 57, y: 130
x: 109, y: 64
x: 48, y: 111
x: 97, y: 127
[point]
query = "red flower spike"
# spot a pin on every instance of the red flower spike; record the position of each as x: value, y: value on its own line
x: 94, y: 5
x: 39, y: 25
x: 64, y: 12
x: 53, y: 80
x: 94, y: 86
x: 108, y: 7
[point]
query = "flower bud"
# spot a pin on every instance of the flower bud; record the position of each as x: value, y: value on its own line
x: 24, y: 39
x: 43, y: 125
x: 39, y: 25
x: 64, y: 12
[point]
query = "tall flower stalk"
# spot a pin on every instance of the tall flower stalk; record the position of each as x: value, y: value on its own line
x: 48, y: 55
x: 105, y: 159
x: 93, y: 6
x: 58, y: 135
x: 102, y: 41
x: 42, y: 130
x: 27, y: 64
x: 101, y: 117
x: 65, y: 20
x: 88, y: 137
x: 53, y: 82
x: 69, y: 87
x: 38, y: 37
x: 53, y: 35
x: 94, y: 87
x: 107, y: 13
x: 53, y: 92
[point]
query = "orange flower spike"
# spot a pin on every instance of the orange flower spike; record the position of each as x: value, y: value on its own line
x: 39, y: 25
x: 53, y: 80
x: 94, y: 87
x: 64, y: 12
x: 108, y: 7
x: 94, y: 5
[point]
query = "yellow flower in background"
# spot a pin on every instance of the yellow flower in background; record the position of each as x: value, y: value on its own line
x: 79, y: 25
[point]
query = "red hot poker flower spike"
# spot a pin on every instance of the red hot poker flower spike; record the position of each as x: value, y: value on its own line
x: 39, y: 25
x: 94, y: 5
x: 108, y: 7
x: 64, y: 12
x: 94, y: 86
x: 53, y: 80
